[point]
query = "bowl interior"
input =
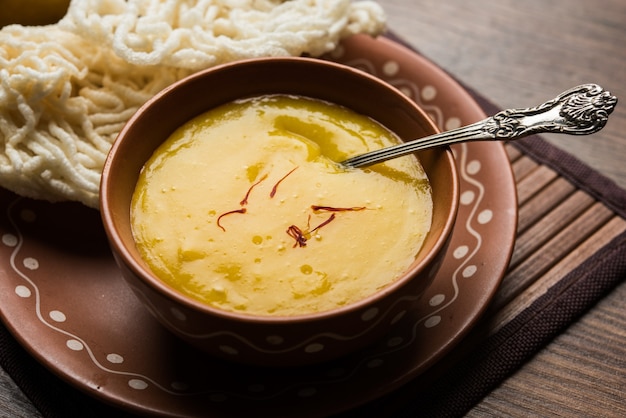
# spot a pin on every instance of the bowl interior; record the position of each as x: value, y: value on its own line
x: 363, y: 93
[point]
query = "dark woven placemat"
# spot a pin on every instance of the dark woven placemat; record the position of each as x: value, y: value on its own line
x: 461, y: 380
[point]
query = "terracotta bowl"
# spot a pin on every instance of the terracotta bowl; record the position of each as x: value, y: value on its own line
x: 263, y: 340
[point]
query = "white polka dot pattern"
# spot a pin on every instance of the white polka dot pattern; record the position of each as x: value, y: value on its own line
x: 115, y: 364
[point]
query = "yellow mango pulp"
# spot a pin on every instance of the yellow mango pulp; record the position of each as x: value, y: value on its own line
x: 245, y: 208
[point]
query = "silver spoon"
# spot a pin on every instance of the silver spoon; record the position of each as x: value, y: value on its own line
x: 581, y: 110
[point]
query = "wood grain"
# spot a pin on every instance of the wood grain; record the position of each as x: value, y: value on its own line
x: 520, y: 54
x: 13, y: 403
x: 581, y: 374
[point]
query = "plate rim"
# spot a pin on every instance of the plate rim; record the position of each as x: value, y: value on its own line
x: 108, y: 397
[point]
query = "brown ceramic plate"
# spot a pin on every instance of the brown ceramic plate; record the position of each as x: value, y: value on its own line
x: 63, y: 298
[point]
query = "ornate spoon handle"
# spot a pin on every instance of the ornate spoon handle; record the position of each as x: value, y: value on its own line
x: 581, y: 110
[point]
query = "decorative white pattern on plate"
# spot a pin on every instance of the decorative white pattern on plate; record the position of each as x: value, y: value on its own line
x: 395, y: 343
x: 130, y: 378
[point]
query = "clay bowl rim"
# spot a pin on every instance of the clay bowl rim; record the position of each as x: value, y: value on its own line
x: 145, y: 275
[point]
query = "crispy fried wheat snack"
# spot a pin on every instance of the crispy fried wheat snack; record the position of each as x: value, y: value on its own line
x: 199, y: 34
x: 67, y: 89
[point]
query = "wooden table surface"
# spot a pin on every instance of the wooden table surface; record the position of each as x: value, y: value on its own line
x: 519, y: 54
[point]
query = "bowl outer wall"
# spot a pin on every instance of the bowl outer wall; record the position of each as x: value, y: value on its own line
x: 333, y: 82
